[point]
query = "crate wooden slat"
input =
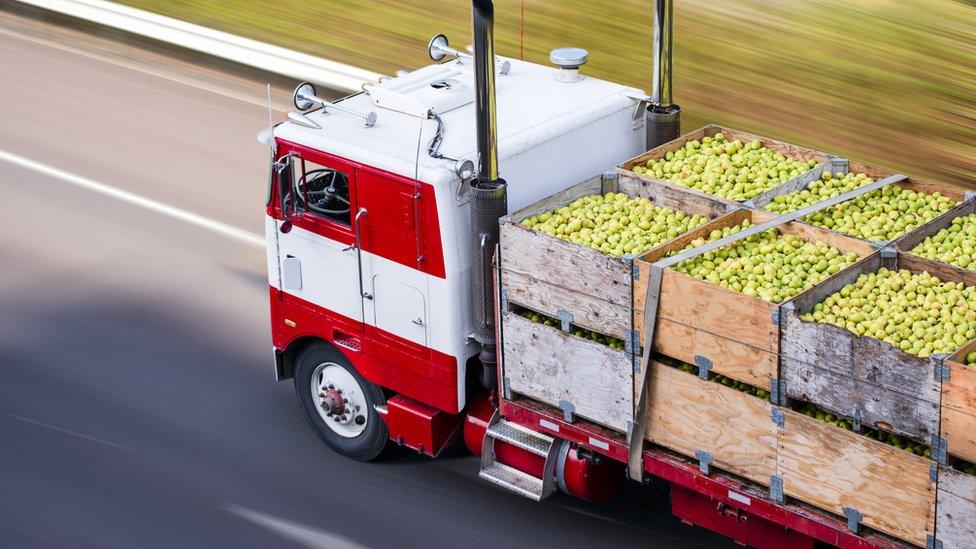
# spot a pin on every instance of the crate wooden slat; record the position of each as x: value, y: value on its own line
x: 959, y: 405
x: 552, y: 366
x: 956, y: 520
x: 786, y: 149
x: 548, y: 274
x: 853, y: 375
x: 734, y: 331
x: 686, y: 413
x: 832, y: 468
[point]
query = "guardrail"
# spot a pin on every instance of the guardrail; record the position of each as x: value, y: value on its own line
x: 252, y: 53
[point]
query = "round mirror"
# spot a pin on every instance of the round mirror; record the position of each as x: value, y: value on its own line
x: 304, y: 96
x: 465, y: 170
x: 436, y: 47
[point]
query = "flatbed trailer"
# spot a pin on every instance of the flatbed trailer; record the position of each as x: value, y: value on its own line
x: 413, y: 302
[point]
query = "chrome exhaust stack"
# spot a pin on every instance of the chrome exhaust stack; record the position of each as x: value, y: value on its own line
x: 488, y: 195
x: 663, y: 118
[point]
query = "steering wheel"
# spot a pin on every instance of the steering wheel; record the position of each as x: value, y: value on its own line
x: 327, y: 191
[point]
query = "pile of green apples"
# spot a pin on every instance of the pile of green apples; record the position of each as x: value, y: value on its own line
x: 615, y: 223
x: 956, y: 244
x: 729, y: 169
x: 770, y: 266
x: 884, y: 214
x: 917, y: 313
x: 828, y: 186
x: 612, y: 342
x: 971, y: 359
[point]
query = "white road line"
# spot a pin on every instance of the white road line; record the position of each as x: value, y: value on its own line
x: 298, y: 533
x: 67, y: 431
x: 137, y: 200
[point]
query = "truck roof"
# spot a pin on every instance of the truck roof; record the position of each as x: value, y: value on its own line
x: 533, y: 107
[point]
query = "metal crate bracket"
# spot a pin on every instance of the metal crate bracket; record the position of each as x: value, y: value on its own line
x: 568, y: 410
x: 704, y: 461
x: 854, y: 518
x: 940, y: 449
x: 940, y: 367
x: 632, y: 342
x: 779, y: 418
x: 776, y: 488
x: 704, y: 366
x: 565, y: 319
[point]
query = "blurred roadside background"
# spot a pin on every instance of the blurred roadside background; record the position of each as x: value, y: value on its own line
x: 888, y: 82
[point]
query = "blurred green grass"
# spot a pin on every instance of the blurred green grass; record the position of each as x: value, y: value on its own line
x: 888, y: 82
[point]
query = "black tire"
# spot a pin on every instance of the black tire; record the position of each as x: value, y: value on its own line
x: 370, y: 443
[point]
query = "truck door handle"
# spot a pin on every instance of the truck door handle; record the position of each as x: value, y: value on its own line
x: 418, y: 321
x: 359, y: 253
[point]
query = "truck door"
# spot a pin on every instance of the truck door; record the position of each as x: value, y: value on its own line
x: 318, y: 255
x: 391, y: 233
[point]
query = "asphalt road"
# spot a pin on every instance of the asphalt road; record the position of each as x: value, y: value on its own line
x: 138, y: 406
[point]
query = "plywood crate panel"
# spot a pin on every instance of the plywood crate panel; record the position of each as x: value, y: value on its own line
x: 686, y: 413
x: 959, y: 406
x: 858, y: 376
x: 698, y: 319
x: 956, y: 518
x: 548, y: 274
x: 556, y: 367
x: 786, y: 149
x: 834, y: 469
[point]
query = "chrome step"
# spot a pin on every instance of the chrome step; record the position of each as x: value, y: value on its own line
x: 526, y: 439
x: 510, y: 478
x: 514, y: 480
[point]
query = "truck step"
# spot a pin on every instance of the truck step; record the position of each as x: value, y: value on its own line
x: 510, y: 478
x: 514, y: 480
x: 526, y: 439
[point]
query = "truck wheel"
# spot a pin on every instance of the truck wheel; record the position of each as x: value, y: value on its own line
x: 338, y: 403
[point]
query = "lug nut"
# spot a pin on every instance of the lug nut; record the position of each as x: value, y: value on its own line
x: 345, y: 417
x: 360, y: 419
x: 335, y: 418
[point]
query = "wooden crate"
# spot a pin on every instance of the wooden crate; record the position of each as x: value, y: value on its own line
x: 834, y: 469
x: 959, y: 405
x: 819, y: 463
x: 925, y: 186
x: 908, y: 242
x: 697, y: 319
x: 561, y: 369
x: 857, y: 376
x: 956, y: 517
x: 786, y: 149
x: 549, y: 275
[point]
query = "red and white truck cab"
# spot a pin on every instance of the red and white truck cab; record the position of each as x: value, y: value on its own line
x: 374, y: 258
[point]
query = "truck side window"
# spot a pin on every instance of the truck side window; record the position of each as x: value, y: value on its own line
x: 323, y: 192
